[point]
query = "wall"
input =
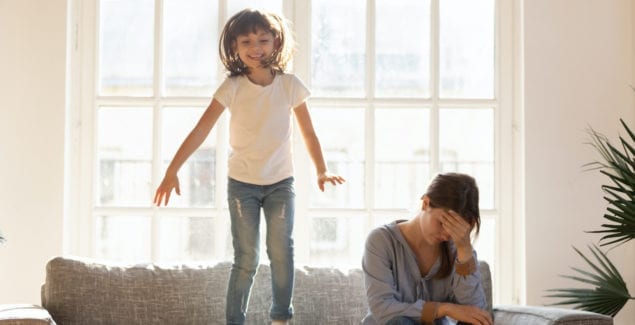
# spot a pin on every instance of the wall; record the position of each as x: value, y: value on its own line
x: 578, y: 67
x: 32, y: 77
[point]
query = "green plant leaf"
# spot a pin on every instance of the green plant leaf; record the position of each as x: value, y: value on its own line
x: 608, y: 293
x: 618, y: 165
x: 625, y: 143
x: 628, y: 130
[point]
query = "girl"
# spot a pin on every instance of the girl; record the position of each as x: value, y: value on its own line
x: 255, y: 47
x: 423, y: 269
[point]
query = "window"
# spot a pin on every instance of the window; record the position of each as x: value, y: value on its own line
x: 401, y: 90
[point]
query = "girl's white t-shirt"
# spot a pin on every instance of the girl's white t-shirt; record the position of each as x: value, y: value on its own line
x: 260, y: 127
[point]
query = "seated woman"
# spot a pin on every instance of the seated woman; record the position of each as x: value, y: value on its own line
x: 421, y: 270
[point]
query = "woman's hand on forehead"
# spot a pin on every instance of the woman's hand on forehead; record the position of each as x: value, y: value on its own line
x: 457, y: 227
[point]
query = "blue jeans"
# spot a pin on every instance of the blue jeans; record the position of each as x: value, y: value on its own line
x: 277, y: 202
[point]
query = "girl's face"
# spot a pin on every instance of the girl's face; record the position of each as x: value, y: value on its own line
x: 431, y: 225
x: 254, y: 48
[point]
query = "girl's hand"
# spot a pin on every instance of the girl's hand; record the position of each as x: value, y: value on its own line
x: 165, y: 189
x: 328, y: 177
x: 459, y: 230
x: 465, y: 313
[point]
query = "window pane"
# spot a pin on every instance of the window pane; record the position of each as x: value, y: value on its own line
x: 466, y: 139
x: 126, y: 47
x: 182, y: 238
x: 338, y: 37
x: 337, y: 241
x: 234, y: 6
x: 345, y: 158
x: 123, y: 238
x: 124, y: 149
x: 402, y: 156
x: 466, y: 49
x: 402, y: 62
x: 197, y: 176
x: 190, y: 47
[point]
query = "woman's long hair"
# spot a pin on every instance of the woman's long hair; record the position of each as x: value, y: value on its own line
x: 459, y: 193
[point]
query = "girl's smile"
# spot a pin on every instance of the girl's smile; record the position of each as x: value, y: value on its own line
x: 254, y: 48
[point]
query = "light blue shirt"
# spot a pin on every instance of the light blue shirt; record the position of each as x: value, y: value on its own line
x: 394, y: 285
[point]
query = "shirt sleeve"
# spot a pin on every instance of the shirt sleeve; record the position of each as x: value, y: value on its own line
x: 381, y: 290
x: 225, y: 92
x: 298, y: 92
x: 468, y: 289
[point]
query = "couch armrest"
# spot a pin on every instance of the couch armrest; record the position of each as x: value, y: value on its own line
x: 516, y: 314
x: 23, y: 314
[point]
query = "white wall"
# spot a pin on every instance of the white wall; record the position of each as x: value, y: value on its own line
x: 578, y: 67
x: 32, y: 60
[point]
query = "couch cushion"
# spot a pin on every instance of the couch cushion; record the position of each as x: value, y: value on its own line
x: 330, y: 296
x: 320, y: 296
x: 83, y: 292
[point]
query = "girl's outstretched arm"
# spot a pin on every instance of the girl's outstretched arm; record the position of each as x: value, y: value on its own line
x: 190, y: 144
x: 313, y: 146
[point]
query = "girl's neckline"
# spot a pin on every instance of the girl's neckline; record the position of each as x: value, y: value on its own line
x: 264, y: 83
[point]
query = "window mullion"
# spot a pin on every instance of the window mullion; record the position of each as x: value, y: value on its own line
x: 158, y: 50
x: 370, y: 113
x: 304, y: 174
x: 222, y: 142
x: 370, y: 50
x: 288, y: 9
x: 85, y: 86
x: 156, y: 133
x: 509, y: 287
x: 434, y: 83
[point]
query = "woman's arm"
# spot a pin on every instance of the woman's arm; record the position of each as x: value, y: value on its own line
x: 466, y: 278
x: 467, y: 287
x: 465, y: 313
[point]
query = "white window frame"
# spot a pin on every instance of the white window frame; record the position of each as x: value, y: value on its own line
x: 79, y: 227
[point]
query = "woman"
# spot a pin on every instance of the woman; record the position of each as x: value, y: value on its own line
x: 421, y: 270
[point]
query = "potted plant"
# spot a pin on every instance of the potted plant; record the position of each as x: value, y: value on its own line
x: 609, y: 293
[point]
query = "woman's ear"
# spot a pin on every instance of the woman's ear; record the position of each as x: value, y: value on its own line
x: 425, y: 202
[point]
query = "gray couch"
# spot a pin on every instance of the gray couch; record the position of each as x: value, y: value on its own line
x: 78, y: 291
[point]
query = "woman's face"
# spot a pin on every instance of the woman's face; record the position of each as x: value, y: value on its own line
x: 431, y: 223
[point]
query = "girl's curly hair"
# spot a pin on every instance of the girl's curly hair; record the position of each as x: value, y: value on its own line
x: 250, y: 21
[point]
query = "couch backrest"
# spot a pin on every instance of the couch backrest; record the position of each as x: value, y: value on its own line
x: 486, y: 280
x: 81, y: 291
x: 320, y: 296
